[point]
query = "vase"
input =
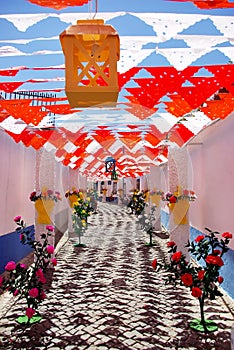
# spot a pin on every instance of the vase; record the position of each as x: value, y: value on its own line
x: 155, y: 198
x: 73, y: 199
x: 44, y: 208
x: 179, y: 211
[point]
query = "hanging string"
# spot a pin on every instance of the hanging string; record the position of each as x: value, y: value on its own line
x: 96, y: 8
x: 90, y: 8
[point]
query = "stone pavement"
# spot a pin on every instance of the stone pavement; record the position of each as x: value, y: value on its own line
x: 107, y: 296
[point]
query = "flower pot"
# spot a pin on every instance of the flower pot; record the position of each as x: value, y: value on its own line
x: 44, y: 209
x: 179, y: 211
x: 72, y: 199
x: 155, y: 198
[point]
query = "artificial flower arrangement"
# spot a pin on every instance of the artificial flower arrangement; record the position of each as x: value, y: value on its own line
x: 178, y: 195
x: 72, y: 192
x: 201, y: 279
x: 137, y: 202
x: 146, y: 223
x: 28, y: 282
x: 82, y: 209
x: 45, y: 194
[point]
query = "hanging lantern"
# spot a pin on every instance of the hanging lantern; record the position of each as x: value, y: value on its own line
x: 114, y: 176
x: 110, y: 165
x: 91, y: 50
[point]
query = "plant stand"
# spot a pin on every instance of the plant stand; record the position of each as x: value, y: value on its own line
x: 198, y: 326
x: 24, y: 320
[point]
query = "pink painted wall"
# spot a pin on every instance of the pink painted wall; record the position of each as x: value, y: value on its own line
x: 212, y: 156
x: 17, y: 174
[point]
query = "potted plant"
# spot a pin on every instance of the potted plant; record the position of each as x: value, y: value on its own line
x: 137, y: 202
x: 178, y: 204
x: 146, y: 223
x: 202, y: 280
x: 82, y: 209
x: 28, y: 282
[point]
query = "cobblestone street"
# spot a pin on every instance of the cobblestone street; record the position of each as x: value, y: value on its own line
x: 107, y: 296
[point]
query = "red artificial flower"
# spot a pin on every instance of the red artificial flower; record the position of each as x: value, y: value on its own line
x: 1, y: 281
x: 49, y: 192
x: 176, y: 256
x: 171, y: 244
x: 227, y: 235
x: 50, y: 249
x: 17, y: 218
x: 154, y: 264
x: 200, y: 238
x: 187, y: 279
x: 10, y: 266
x: 217, y: 252
x: 185, y: 192
x: 173, y: 199
x: 196, y: 292
x: 30, y: 312
x: 201, y: 274
x: 214, y: 260
x: 220, y: 279
x: 33, y: 292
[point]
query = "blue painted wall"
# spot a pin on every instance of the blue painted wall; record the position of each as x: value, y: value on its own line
x: 12, y: 249
x: 227, y: 271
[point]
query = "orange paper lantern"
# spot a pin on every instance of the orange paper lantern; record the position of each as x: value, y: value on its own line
x: 91, y: 50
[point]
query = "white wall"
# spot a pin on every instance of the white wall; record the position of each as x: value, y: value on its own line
x: 17, y: 175
x: 212, y: 156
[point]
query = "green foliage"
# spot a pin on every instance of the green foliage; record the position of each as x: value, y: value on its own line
x: 137, y: 202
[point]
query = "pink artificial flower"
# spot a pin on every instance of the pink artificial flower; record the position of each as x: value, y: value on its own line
x: 10, y: 266
x: 33, y: 292
x: 23, y: 266
x: 50, y: 249
x: 30, y: 312
x: 227, y: 235
x: 21, y: 236
x: 17, y: 218
x: 49, y: 192
x: 1, y: 281
x: 54, y: 261
x: 42, y: 295
x: 50, y: 228
x: 16, y: 292
x: 40, y: 276
x: 200, y: 238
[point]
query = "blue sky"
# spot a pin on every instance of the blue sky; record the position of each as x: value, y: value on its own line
x: 23, y: 6
x: 43, y: 36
